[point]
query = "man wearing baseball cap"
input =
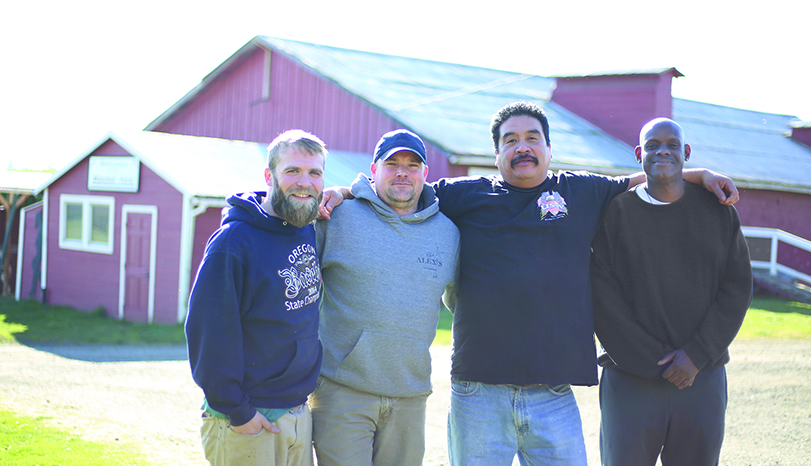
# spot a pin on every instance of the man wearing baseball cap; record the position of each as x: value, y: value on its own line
x: 386, y: 258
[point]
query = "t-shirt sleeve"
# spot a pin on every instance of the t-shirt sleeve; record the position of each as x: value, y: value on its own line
x: 609, y: 187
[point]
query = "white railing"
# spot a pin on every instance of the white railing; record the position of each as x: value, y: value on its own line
x: 776, y: 236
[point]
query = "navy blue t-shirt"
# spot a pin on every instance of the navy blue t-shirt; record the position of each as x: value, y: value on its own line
x: 523, y: 311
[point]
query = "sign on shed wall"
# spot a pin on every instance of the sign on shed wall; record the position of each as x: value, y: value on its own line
x: 120, y: 174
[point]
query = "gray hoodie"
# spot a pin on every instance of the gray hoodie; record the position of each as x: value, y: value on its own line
x: 383, y: 279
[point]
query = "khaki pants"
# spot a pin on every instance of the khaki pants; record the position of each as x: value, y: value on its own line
x: 292, y: 447
x: 355, y: 428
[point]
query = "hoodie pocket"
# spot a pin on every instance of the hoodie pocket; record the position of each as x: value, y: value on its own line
x: 387, y: 364
x: 301, y: 373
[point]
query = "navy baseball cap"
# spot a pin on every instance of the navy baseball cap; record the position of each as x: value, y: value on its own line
x: 397, y: 140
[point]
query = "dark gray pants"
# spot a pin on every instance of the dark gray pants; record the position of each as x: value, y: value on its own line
x: 642, y: 418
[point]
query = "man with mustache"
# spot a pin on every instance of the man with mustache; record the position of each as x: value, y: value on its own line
x: 671, y: 281
x: 523, y: 328
x: 386, y: 257
x: 252, y: 327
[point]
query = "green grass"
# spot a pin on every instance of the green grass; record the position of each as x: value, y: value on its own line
x: 776, y: 318
x: 27, y: 441
x: 30, y: 321
x: 443, y: 329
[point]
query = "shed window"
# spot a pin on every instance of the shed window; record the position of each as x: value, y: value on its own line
x: 86, y: 223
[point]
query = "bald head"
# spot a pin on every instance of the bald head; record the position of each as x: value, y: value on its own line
x: 656, y: 122
x: 662, y: 152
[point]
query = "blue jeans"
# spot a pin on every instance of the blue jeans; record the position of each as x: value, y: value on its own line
x: 490, y: 424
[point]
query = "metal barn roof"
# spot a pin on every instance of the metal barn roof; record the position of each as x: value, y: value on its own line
x: 751, y: 147
x: 451, y: 105
x: 210, y: 167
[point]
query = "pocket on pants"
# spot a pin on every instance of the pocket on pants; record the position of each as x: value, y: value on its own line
x: 559, y: 390
x: 464, y: 388
x: 246, y: 435
x: 318, y: 382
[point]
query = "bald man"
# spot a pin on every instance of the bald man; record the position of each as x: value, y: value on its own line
x: 671, y: 283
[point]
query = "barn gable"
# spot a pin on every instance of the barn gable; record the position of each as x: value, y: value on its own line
x: 349, y: 98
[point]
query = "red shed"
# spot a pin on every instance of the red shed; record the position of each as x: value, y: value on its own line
x: 124, y: 225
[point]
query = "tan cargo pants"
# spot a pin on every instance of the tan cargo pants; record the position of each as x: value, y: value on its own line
x: 292, y: 447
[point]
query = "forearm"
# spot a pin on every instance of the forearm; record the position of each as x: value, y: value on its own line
x: 692, y: 175
x: 695, y: 175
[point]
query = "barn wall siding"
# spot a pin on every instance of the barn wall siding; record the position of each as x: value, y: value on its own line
x: 232, y: 108
x: 205, y: 226
x: 68, y: 270
x: 619, y: 105
x: 783, y: 210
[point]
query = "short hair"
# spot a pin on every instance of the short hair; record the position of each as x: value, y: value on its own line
x: 294, y: 138
x: 520, y: 108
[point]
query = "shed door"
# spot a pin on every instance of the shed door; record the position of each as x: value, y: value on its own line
x: 138, y: 236
x: 136, y: 294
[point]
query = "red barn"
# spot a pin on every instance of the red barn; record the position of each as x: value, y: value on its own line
x: 124, y: 225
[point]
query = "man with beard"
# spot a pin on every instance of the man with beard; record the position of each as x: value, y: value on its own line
x: 523, y: 327
x: 386, y: 257
x: 252, y: 327
x: 671, y: 282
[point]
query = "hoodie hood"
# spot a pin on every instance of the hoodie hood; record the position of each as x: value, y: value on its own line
x: 363, y: 189
x: 247, y: 208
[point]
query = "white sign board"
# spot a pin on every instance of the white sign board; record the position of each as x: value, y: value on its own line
x: 121, y: 174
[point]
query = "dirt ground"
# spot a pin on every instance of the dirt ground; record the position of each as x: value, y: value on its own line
x: 145, y: 396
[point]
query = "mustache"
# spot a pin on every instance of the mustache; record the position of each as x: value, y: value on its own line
x: 517, y: 160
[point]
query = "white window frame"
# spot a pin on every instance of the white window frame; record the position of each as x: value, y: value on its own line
x: 87, y: 223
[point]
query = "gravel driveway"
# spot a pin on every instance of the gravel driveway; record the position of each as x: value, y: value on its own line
x: 145, y: 395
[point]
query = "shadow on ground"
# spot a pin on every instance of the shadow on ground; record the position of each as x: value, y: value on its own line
x: 115, y: 353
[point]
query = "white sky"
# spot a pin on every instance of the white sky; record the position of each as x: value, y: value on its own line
x: 74, y: 70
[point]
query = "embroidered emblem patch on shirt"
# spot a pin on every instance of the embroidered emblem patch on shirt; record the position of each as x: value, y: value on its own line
x: 552, y: 206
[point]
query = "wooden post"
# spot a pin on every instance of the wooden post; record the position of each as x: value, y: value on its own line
x: 11, y: 212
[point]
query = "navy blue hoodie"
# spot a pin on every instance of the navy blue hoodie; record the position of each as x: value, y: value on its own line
x: 252, y: 327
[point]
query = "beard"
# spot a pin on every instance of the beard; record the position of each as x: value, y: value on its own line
x: 399, y: 199
x: 297, y: 212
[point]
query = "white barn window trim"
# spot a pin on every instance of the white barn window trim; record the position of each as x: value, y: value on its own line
x: 86, y: 223
x: 266, y: 76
